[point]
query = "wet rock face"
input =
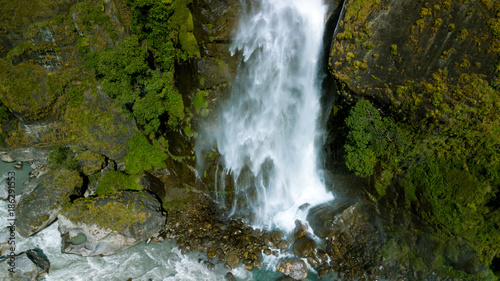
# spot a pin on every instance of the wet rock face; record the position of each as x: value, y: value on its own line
x: 109, y: 224
x: 329, y: 218
x: 293, y: 268
x: 44, y: 198
x: 152, y: 184
x: 29, y: 266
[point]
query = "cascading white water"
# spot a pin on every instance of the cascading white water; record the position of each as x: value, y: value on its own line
x: 267, y: 131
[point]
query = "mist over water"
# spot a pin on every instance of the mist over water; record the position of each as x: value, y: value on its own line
x: 267, y: 132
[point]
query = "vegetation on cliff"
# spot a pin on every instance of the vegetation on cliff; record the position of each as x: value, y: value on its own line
x: 431, y: 129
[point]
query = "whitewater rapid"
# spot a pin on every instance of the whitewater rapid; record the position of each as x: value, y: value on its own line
x: 267, y: 134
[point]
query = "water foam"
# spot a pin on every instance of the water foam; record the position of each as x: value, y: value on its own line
x: 267, y: 133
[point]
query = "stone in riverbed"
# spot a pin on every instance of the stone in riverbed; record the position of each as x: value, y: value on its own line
x: 283, y: 244
x: 29, y: 266
x: 304, y: 247
x: 230, y: 277
x: 293, y: 268
x: 232, y: 259
x: 43, y: 199
x: 329, y: 218
x: 300, y: 229
x: 109, y: 224
x: 276, y: 236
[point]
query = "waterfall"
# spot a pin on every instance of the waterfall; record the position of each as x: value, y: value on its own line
x: 268, y: 129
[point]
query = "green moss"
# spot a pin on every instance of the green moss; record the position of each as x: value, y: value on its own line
x: 188, y: 43
x: 15, y: 16
x: 447, y: 53
x: 384, y: 180
x: 200, y: 100
x: 40, y: 221
x: 394, y: 50
x: 174, y: 104
x: 19, y: 50
x: 89, y: 15
x: 494, y: 24
x: 29, y: 89
x: 5, y: 114
x: 178, y: 205
x: 188, y: 131
x: 438, y: 22
x: 143, y: 156
x: 425, y: 12
x: 463, y: 34
x: 115, y: 181
x: 100, y: 126
x: 117, y: 215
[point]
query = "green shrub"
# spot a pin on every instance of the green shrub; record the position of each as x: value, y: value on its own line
x: 371, y: 139
x: 149, y: 96
x: 62, y: 158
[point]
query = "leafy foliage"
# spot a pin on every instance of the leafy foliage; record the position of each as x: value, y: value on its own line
x: 148, y: 95
x: 167, y: 26
x: 371, y: 138
x: 451, y: 168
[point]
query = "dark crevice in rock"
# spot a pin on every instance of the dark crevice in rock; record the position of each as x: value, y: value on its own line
x: 222, y: 41
x: 328, y: 95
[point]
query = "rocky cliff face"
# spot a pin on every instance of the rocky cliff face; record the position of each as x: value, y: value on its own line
x: 429, y: 70
x: 387, y: 50
x: 54, y: 100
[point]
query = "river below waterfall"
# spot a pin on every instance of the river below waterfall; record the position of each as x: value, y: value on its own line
x: 154, y: 261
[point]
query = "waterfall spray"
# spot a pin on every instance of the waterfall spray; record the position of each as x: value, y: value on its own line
x: 267, y: 132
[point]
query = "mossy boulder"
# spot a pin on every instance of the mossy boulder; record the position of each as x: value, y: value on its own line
x: 100, y: 125
x: 28, y: 90
x: 109, y: 224
x: 44, y: 198
x: 90, y: 162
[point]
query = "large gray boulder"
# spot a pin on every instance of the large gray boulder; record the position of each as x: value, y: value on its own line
x: 109, y: 224
x: 43, y: 199
x: 26, y: 266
